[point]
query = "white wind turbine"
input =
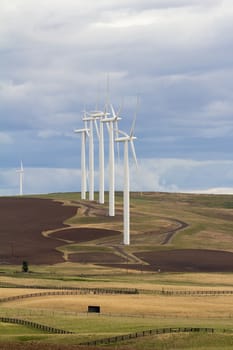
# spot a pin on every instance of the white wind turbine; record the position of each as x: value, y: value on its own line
x: 110, y: 125
x: 126, y: 200
x: 91, y: 155
x: 99, y: 115
x: 21, y: 174
x: 84, y: 134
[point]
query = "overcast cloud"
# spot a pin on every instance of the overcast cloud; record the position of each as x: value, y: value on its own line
x: 176, y: 55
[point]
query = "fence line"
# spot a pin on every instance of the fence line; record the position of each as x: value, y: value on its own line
x: 79, y: 291
x: 146, y: 333
x: 110, y: 339
x: 196, y: 292
x: 34, y: 325
x: 156, y: 315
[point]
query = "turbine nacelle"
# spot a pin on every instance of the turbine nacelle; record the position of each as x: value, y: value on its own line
x: 115, y: 117
x: 88, y: 119
x: 81, y: 130
x: 125, y: 138
x: 112, y: 119
x: 98, y: 114
x: 128, y: 138
x: 20, y: 171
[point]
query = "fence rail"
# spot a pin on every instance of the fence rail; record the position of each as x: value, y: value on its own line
x: 34, y: 325
x: 77, y: 291
x: 119, y: 338
x: 188, y: 292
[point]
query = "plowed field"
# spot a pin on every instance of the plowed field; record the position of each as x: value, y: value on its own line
x: 22, y: 221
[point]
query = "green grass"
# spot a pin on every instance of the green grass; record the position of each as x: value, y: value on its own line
x: 7, y: 329
x: 190, y: 341
x: 205, y: 214
x: 93, y: 328
x: 151, y: 212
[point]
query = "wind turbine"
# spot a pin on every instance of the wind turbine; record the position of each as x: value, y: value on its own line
x: 21, y: 173
x: 110, y: 125
x: 126, y: 200
x: 99, y: 115
x: 91, y: 119
x: 84, y: 134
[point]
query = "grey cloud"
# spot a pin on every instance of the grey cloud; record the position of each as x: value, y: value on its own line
x: 175, y: 54
x: 5, y: 138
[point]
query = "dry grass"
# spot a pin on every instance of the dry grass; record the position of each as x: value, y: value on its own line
x: 8, y: 292
x: 208, y: 227
x: 114, y: 278
x: 166, y: 306
x: 208, y: 217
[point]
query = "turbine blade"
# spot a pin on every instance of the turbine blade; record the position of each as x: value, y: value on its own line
x: 120, y: 108
x: 97, y: 129
x: 134, y: 153
x: 122, y: 133
x: 107, y: 90
x: 105, y: 109
x: 132, y: 127
x: 135, y: 117
x: 118, y: 146
x: 116, y: 115
x: 113, y: 111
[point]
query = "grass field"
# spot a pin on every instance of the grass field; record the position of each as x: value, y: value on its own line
x: 209, y: 225
x: 209, y: 219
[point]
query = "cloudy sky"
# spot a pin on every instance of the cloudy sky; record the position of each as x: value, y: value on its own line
x: 176, y: 55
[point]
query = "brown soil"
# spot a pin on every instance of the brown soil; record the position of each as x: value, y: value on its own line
x: 96, y: 258
x: 180, y: 260
x: 24, y: 219
x: 22, y: 222
x: 189, y: 260
x: 83, y: 234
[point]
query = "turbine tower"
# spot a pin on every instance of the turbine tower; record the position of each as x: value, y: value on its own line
x: 110, y: 125
x: 99, y: 115
x: 90, y: 119
x: 84, y: 134
x: 126, y: 200
x: 21, y: 173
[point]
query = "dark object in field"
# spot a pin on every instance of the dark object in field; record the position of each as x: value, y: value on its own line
x: 92, y: 308
x: 25, y: 266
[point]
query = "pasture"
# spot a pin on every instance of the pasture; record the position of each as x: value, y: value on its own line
x: 179, y: 265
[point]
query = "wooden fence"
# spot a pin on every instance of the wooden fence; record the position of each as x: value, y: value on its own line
x: 34, y: 325
x: 79, y: 291
x: 190, y: 292
x: 124, y: 337
x: 68, y: 292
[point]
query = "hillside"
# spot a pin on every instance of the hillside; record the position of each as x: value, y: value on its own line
x: 169, y: 232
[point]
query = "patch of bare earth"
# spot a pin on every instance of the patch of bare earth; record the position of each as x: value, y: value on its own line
x: 24, y: 219
x: 195, y: 260
x: 84, y: 234
x: 22, y: 222
x: 95, y: 257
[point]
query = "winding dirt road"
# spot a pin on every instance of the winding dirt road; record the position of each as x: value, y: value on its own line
x: 24, y: 219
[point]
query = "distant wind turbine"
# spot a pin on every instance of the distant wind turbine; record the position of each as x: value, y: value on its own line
x: 126, y: 200
x: 21, y: 174
x: 84, y: 133
x: 90, y: 119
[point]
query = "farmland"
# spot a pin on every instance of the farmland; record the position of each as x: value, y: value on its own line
x: 179, y: 267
